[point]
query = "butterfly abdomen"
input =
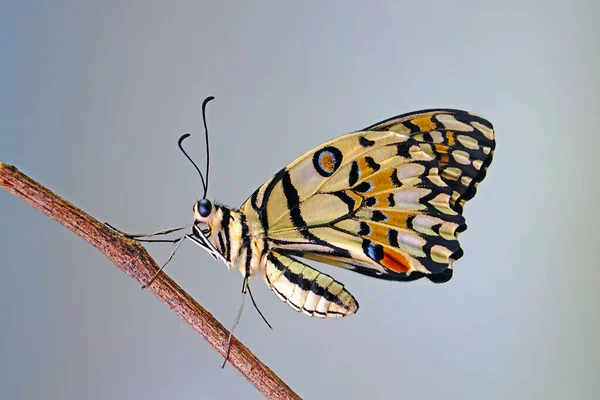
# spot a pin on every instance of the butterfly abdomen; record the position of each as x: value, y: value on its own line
x: 306, y: 289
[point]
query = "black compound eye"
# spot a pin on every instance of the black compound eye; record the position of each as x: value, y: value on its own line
x: 204, y: 207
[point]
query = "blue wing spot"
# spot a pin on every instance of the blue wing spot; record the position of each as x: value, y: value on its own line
x: 373, y: 251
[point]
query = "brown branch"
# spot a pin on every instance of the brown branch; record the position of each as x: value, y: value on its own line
x: 130, y: 257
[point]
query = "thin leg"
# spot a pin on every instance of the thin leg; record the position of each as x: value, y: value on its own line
x: 147, y: 235
x: 236, y: 322
x: 257, y: 309
x: 157, y: 240
x: 165, y: 264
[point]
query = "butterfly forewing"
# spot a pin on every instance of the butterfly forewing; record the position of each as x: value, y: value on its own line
x: 380, y: 201
x: 462, y: 142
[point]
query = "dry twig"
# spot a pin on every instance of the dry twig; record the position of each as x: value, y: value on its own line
x: 131, y: 258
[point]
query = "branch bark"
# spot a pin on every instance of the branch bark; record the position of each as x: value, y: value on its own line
x: 130, y: 257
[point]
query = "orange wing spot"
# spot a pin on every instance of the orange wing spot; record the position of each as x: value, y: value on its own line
x: 450, y: 137
x: 424, y: 123
x: 397, y: 218
x: 378, y: 232
x: 327, y: 162
x: 357, y: 199
x: 364, y: 168
x: 381, y: 182
x: 442, y: 150
x: 395, y: 261
x: 383, y: 200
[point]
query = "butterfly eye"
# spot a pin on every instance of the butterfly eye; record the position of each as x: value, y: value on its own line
x: 204, y: 207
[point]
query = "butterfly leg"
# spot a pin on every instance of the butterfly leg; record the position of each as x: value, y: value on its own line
x: 258, y: 309
x: 177, y: 244
x: 305, y: 289
x: 137, y: 236
x: 236, y: 321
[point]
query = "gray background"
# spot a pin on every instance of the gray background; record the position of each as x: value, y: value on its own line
x: 94, y: 96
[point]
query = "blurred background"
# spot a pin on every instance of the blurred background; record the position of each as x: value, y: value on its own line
x: 95, y: 94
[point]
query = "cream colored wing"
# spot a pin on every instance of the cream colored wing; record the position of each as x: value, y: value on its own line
x: 381, y: 202
x: 462, y: 142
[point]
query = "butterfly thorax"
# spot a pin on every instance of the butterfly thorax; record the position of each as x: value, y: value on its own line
x: 241, y: 242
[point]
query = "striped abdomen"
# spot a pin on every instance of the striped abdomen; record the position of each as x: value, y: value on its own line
x: 306, y: 289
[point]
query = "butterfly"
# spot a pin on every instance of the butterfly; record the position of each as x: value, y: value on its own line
x: 386, y: 201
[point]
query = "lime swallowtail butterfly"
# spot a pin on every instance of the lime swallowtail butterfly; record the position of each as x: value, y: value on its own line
x: 386, y: 201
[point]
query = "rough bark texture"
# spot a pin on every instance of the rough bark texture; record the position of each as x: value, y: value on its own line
x: 130, y: 257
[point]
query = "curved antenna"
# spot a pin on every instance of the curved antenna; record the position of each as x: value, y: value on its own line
x: 181, y: 139
x: 204, y: 103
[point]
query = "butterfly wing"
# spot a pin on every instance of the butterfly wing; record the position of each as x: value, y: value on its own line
x: 462, y: 142
x: 372, y: 201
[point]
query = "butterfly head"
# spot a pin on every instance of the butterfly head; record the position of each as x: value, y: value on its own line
x: 203, y: 211
x: 210, y: 215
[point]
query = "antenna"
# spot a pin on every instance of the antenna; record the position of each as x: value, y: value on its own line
x: 185, y: 136
x: 204, y: 103
x: 179, y: 143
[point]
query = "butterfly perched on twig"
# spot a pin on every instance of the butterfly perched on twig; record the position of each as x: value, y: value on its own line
x: 385, y: 201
